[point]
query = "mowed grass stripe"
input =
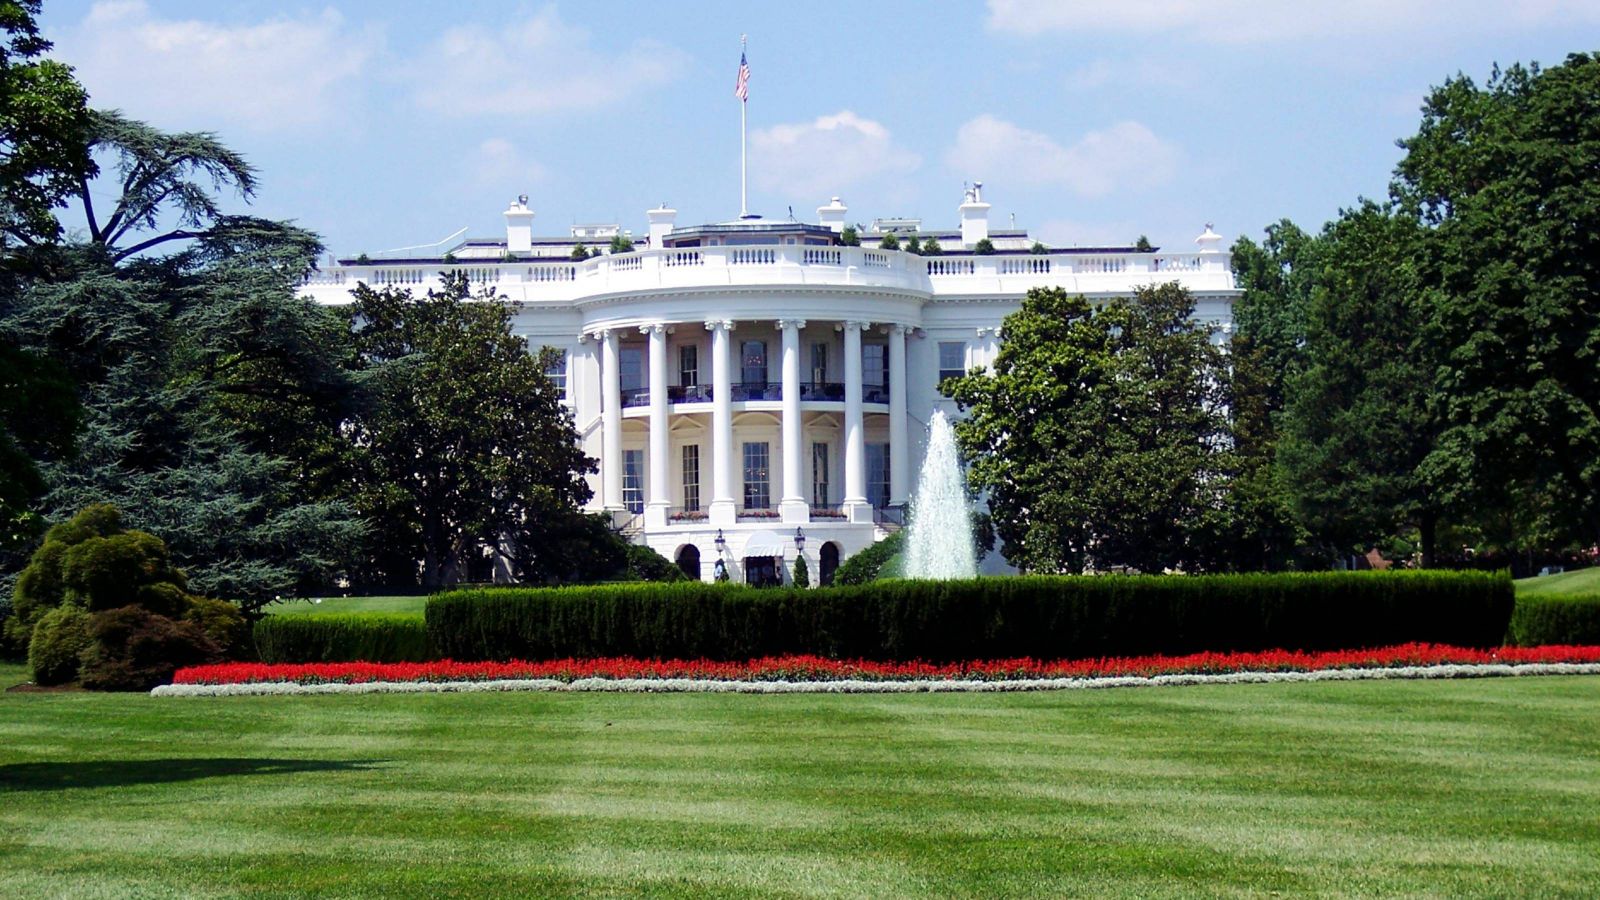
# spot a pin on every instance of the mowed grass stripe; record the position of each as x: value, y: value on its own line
x: 1481, y: 787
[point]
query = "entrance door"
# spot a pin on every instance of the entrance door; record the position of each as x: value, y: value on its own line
x: 689, y: 561
x: 829, y: 558
x: 761, y: 571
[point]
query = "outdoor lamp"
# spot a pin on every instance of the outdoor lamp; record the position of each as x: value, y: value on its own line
x: 799, y: 538
x: 722, y: 542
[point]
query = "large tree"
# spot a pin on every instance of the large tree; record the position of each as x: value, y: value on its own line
x: 1101, y: 434
x: 44, y: 129
x: 467, y: 445
x: 1506, y: 179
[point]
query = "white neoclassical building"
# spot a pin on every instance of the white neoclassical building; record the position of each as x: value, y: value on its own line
x: 756, y: 389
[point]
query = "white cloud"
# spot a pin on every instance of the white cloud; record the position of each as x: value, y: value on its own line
x: 498, y: 163
x: 283, y: 73
x: 825, y: 156
x: 1265, y: 21
x: 537, y: 65
x: 1126, y: 155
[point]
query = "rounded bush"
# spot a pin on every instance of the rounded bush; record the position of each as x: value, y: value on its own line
x: 223, y: 623
x: 134, y: 649
x: 122, y: 570
x: 59, y: 638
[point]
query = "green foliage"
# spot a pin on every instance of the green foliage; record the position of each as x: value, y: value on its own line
x: 850, y: 237
x: 1101, y: 436
x: 931, y: 247
x: 889, y: 242
x: 645, y: 564
x: 466, y: 441
x: 621, y: 243
x: 802, y: 572
x: 128, y: 569
x: 1359, y: 420
x: 39, y: 420
x: 993, y: 618
x: 1143, y: 245
x: 356, y: 637
x: 1555, y: 619
x: 579, y: 252
x: 363, y: 260
x: 1038, y: 249
x: 59, y: 638
x: 984, y: 247
x: 44, y: 130
x: 133, y: 649
x: 912, y: 245
x: 42, y: 585
x: 223, y: 623
x: 868, y: 564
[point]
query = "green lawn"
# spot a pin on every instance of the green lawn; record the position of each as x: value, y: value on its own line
x: 1582, y: 581
x: 1457, y: 788
x: 348, y: 605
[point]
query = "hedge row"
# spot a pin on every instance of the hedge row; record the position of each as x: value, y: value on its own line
x: 992, y: 618
x: 350, y: 637
x: 1555, y: 620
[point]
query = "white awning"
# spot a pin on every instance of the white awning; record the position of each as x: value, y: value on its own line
x: 763, y: 543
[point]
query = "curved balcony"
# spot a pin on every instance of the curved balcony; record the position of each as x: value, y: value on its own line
x: 772, y: 391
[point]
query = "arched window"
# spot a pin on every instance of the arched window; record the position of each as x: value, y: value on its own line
x: 828, y: 562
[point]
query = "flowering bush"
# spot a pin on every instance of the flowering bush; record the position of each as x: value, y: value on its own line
x: 791, y: 669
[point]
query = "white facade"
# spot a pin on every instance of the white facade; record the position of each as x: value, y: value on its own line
x: 755, y: 389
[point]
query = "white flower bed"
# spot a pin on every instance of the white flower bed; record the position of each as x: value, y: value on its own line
x: 923, y: 686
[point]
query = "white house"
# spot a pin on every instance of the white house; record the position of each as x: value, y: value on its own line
x: 755, y: 389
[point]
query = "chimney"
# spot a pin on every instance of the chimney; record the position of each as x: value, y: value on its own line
x: 974, y: 216
x: 832, y: 215
x: 519, y: 226
x: 661, y: 219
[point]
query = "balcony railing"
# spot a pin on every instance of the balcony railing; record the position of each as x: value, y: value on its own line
x: 874, y: 393
x: 636, y: 397
x: 689, y: 393
x: 820, y: 391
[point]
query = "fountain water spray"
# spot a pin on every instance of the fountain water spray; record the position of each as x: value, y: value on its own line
x: 939, y: 540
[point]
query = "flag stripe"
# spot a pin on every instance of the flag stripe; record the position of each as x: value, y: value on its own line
x: 741, y: 87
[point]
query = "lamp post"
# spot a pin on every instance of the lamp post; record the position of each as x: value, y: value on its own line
x: 721, y: 542
x: 799, y: 539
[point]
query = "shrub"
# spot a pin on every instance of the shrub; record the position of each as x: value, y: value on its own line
x: 59, y: 638
x: 126, y: 569
x: 1569, y: 619
x: 984, y: 247
x: 850, y: 237
x: 868, y: 564
x: 994, y: 618
x: 645, y: 564
x: 931, y: 247
x: 40, y: 587
x: 133, y: 649
x: 889, y: 242
x: 369, y: 637
x: 223, y: 623
x: 802, y: 572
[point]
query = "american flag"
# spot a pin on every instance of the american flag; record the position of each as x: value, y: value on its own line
x: 741, y: 87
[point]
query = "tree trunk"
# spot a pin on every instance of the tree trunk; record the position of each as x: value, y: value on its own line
x: 1429, y: 528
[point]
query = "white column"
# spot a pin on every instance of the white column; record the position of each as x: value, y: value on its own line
x: 899, y: 448
x: 855, y: 437
x: 793, y: 507
x: 610, y: 421
x: 722, y: 510
x: 656, y: 508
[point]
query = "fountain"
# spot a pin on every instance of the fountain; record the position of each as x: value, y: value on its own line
x: 939, y: 539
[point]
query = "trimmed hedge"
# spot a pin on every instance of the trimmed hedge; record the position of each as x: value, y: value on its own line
x: 1559, y: 619
x: 353, y: 637
x: 987, y: 618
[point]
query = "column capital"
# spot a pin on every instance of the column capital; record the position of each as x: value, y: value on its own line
x: 854, y: 326
x: 719, y: 325
x: 790, y: 323
x: 599, y: 334
x: 901, y: 328
x: 653, y: 328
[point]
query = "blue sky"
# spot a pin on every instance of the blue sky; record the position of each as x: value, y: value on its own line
x: 386, y: 124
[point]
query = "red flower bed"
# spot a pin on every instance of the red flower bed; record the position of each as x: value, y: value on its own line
x: 816, y: 668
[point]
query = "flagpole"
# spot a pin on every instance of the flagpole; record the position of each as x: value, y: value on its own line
x: 744, y: 208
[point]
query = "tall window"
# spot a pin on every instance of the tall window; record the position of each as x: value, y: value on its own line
x: 875, y: 365
x: 633, y: 480
x: 757, y: 474
x: 819, y: 363
x: 689, y: 366
x: 557, y: 373
x: 878, y: 475
x: 952, y: 359
x: 691, y: 477
x: 630, y: 368
x: 753, y: 363
x: 819, y: 474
